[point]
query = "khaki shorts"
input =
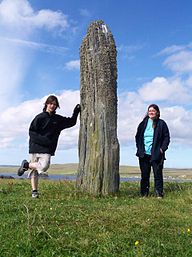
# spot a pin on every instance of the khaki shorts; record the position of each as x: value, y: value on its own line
x: 42, y: 160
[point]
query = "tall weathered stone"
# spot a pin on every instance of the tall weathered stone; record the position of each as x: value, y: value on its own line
x: 98, y: 171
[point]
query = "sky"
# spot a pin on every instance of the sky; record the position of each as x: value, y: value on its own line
x: 39, y: 56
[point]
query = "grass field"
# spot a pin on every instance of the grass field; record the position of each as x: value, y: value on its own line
x: 66, y: 222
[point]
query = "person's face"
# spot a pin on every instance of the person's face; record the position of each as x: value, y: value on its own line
x: 51, y: 107
x: 152, y: 113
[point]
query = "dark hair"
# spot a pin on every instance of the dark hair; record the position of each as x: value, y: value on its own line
x: 156, y: 107
x: 49, y: 100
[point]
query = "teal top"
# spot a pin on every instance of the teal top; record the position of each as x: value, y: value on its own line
x: 148, y: 137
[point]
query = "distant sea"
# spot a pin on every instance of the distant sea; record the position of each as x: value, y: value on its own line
x: 73, y: 177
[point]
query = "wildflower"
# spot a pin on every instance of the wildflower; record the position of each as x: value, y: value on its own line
x: 51, y: 208
x: 188, y: 230
x: 136, y: 243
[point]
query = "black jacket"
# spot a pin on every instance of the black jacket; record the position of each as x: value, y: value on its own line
x: 45, y: 129
x: 161, y: 139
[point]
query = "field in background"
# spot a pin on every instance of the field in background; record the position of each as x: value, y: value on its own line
x: 125, y: 171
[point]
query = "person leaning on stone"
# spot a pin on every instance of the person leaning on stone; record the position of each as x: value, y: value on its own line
x: 152, y: 140
x: 44, y: 132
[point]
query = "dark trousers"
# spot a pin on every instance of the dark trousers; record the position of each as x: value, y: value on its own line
x: 145, y: 167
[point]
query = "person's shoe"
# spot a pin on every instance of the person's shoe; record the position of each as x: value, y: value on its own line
x: 159, y: 195
x: 24, y: 167
x: 35, y: 194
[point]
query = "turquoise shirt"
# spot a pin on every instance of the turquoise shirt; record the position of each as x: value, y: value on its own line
x: 148, y: 137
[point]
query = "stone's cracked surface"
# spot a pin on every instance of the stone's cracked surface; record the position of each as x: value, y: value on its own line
x: 98, y: 171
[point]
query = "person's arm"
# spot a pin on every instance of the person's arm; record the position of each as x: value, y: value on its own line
x: 136, y: 138
x: 138, y: 135
x: 68, y: 122
x: 166, y: 138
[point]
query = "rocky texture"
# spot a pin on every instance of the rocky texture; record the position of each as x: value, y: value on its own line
x: 98, y: 171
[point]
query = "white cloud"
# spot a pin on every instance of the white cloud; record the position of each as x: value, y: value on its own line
x: 36, y: 46
x: 179, y: 120
x: 19, y: 14
x: 68, y: 100
x: 172, y: 90
x: 172, y: 49
x: 131, y: 110
x: 180, y: 62
x: 188, y: 82
x: 5, y: 142
x: 179, y: 58
x: 73, y: 65
x: 15, y: 120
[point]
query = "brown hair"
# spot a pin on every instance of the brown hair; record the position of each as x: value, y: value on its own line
x: 49, y: 100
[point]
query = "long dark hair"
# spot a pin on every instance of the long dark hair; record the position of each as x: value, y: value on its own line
x: 49, y: 100
x: 156, y: 107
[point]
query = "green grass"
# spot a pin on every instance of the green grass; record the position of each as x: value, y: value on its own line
x: 65, y: 222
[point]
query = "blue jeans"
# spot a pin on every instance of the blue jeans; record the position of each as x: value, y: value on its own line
x: 145, y: 167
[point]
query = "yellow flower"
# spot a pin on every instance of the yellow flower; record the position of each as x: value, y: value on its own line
x: 136, y: 243
x: 188, y: 230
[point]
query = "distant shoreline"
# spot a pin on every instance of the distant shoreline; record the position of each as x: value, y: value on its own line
x: 125, y: 171
x: 72, y: 177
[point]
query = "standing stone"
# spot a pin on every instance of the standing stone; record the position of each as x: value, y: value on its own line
x: 98, y: 171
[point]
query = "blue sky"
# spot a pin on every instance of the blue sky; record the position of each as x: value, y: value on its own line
x: 39, y: 50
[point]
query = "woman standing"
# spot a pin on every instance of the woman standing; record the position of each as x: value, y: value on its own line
x: 152, y: 140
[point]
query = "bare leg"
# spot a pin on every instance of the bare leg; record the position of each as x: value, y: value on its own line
x: 33, y: 165
x: 34, y: 175
x: 34, y: 180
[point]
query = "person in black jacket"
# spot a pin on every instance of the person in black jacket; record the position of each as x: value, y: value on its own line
x: 44, y: 133
x: 152, y: 140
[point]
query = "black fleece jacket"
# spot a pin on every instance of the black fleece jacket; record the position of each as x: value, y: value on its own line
x: 45, y: 129
x: 161, y: 139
